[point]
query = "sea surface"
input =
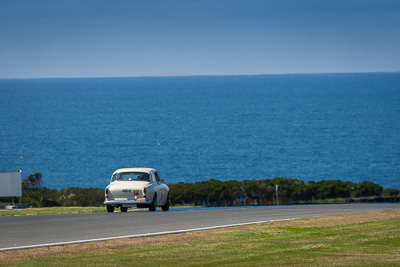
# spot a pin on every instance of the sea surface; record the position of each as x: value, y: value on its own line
x: 76, y: 132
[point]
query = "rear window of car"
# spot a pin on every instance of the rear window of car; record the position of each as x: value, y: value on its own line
x: 130, y: 176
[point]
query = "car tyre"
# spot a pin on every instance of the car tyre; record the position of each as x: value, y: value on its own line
x: 153, y: 205
x: 124, y: 209
x: 166, y: 206
x: 110, y: 208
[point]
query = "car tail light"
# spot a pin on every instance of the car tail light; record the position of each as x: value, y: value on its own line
x: 144, y: 193
x: 107, y: 193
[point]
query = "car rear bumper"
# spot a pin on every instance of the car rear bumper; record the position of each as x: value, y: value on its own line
x: 127, y: 203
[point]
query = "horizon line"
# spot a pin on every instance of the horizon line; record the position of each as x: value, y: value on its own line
x: 196, y: 75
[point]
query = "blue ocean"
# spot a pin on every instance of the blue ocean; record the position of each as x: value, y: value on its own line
x: 312, y: 127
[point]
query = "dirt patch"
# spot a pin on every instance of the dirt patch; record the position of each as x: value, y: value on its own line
x: 319, y: 245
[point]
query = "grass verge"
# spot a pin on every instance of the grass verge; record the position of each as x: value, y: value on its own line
x: 363, y: 239
x: 52, y: 210
x: 66, y: 210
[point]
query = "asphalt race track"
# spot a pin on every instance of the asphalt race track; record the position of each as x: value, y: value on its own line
x: 19, y: 232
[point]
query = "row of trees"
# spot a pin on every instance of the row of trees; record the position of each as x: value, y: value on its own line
x: 215, y: 192
x: 263, y: 192
x: 34, y: 193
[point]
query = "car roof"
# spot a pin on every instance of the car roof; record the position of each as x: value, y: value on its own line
x: 146, y: 170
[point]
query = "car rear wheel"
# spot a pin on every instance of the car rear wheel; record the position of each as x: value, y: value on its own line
x: 153, y: 205
x: 124, y: 209
x: 166, y: 206
x: 110, y: 208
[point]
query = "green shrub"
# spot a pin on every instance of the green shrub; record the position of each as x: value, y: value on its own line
x: 391, y: 192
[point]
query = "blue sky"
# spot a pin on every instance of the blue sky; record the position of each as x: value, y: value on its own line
x: 174, y: 38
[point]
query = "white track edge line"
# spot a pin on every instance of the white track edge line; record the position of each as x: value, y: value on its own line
x: 137, y: 235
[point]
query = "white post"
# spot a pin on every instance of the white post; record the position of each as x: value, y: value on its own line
x: 277, y: 199
x: 20, y: 159
x: 20, y: 171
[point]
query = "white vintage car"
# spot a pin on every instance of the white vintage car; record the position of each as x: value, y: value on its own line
x: 140, y: 187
